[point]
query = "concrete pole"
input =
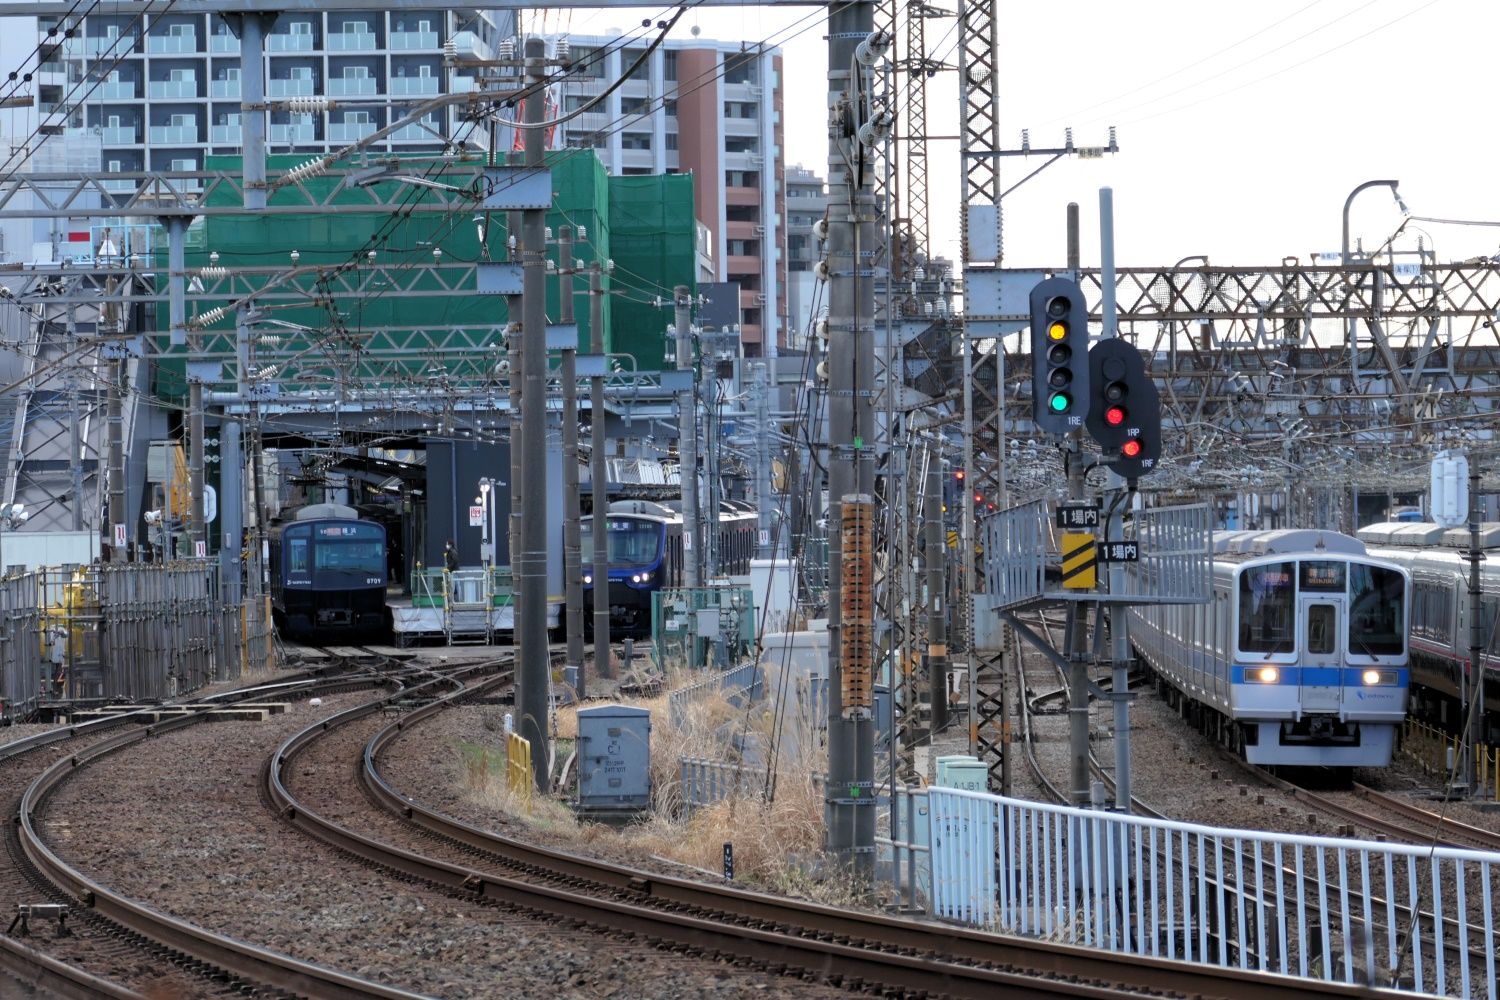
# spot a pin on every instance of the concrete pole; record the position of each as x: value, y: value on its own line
x: 765, y: 504
x: 710, y: 439
x: 934, y: 560
x: 598, y: 478
x: 1119, y: 626
x: 75, y: 436
x: 534, y: 674
x: 252, y: 29
x: 687, y: 442
x: 515, y: 351
x: 1078, y: 667
x: 572, y: 562
x: 1473, y: 704
x: 849, y: 802
x: 231, y: 512
x: 115, y: 421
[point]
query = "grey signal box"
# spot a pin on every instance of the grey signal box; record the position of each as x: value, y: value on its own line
x: 614, y: 759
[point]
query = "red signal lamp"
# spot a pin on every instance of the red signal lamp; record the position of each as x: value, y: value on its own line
x: 1130, y: 449
x: 979, y: 498
x: 959, y: 475
x: 1114, y: 416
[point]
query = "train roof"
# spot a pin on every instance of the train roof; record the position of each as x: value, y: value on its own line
x: 321, y: 512
x: 1416, y: 535
x: 1285, y: 541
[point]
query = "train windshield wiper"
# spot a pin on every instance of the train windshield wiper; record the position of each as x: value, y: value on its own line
x: 1362, y: 645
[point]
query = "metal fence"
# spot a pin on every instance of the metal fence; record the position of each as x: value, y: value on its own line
x: 745, y: 680
x: 692, y: 626
x: 705, y: 782
x: 1016, y: 542
x: 1338, y: 910
x: 136, y: 632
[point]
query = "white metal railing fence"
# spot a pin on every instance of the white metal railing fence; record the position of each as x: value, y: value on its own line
x: 705, y: 782
x: 1419, y: 918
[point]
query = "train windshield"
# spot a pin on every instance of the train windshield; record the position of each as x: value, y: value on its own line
x: 1377, y: 598
x: 631, y: 543
x: 1267, y: 608
x: 349, y: 548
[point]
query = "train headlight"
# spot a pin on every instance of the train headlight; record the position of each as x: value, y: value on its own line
x: 1268, y: 675
x: 636, y: 578
x: 1373, y: 677
x: 588, y: 578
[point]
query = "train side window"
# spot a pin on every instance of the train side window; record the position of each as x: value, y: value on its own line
x: 296, y: 561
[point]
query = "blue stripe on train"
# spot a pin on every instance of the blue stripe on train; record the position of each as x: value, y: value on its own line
x: 1311, y: 676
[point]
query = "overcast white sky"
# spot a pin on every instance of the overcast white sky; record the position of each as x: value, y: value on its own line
x: 1242, y: 126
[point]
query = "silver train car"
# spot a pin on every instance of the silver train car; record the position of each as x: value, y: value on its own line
x: 1301, y: 658
x: 1435, y: 558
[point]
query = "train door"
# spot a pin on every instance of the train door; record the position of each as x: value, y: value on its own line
x: 1322, y: 665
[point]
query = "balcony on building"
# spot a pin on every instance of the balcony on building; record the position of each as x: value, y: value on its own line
x: 180, y: 85
x: 117, y: 90
x: 173, y: 42
x: 228, y: 132
x: 224, y: 43
x: 286, y: 134
x: 429, y: 129
x: 225, y: 87
x: 294, y: 86
x: 411, y: 33
x: 177, y: 134
x: 351, y: 129
x: 352, y: 84
x: 111, y: 45
x: 119, y: 135
x: 295, y: 36
x: 414, y: 86
x: 466, y: 45
x: 351, y: 35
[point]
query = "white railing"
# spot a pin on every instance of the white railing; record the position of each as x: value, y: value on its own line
x: 223, y: 41
x: 116, y: 90
x: 349, y: 131
x: 292, y: 135
x: 170, y: 135
x: 224, y: 135
x: 172, y: 90
x: 407, y: 40
x: 1320, y: 907
x: 705, y: 782
x: 351, y: 41
x: 423, y: 131
x: 124, y: 135
x: 288, y: 42
x: 226, y: 88
x: 171, y: 44
x: 295, y: 86
x: 351, y: 86
x: 413, y: 86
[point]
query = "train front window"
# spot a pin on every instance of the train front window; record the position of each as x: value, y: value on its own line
x: 1267, y: 608
x: 1322, y: 621
x: 631, y: 543
x: 296, y: 555
x: 367, y: 558
x: 1377, y: 608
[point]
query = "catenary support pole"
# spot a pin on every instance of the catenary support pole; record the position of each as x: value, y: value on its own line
x: 119, y: 531
x: 849, y: 792
x: 1078, y: 667
x: 75, y: 432
x: 533, y: 676
x: 934, y: 560
x: 687, y: 442
x: 598, y: 478
x: 572, y: 563
x: 252, y: 28
x: 231, y: 512
x: 1473, y: 706
x: 1119, y: 625
x: 765, y: 506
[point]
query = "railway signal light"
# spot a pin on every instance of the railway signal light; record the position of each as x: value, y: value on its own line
x: 1059, y: 349
x: 1125, y: 415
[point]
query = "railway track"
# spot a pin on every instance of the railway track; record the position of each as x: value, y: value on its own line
x: 176, y: 955
x: 837, y: 946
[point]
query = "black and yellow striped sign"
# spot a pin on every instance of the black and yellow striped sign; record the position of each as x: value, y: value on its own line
x: 1079, y: 560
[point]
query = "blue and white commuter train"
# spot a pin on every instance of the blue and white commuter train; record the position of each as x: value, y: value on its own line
x: 1301, y: 656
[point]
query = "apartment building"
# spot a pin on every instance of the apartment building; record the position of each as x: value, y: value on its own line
x: 713, y: 109
x: 806, y: 203
x: 161, y: 91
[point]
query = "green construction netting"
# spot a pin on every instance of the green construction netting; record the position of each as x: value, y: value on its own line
x: 652, y: 239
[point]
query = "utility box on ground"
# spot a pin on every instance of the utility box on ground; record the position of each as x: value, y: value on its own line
x: 614, y: 761
x: 962, y: 771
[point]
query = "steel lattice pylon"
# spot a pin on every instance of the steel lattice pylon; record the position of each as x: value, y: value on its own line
x: 983, y: 378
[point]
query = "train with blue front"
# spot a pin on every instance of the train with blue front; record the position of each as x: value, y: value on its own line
x: 328, y: 575
x: 1300, y: 658
x: 646, y: 551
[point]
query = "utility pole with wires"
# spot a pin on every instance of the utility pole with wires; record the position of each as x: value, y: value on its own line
x: 572, y: 562
x: 854, y: 124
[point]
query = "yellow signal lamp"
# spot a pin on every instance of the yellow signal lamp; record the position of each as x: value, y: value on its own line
x: 1057, y: 330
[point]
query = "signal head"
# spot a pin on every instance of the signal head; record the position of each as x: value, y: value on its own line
x: 1131, y: 448
x: 1114, y: 416
x: 1060, y: 402
x: 1057, y: 330
x: 958, y: 474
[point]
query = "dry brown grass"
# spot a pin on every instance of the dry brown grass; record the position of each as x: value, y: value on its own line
x: 777, y: 844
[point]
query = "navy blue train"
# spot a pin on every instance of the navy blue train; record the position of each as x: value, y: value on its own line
x: 645, y: 555
x: 328, y: 574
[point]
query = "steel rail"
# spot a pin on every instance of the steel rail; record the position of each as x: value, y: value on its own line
x: 839, y: 943
x: 57, y: 978
x: 1485, y: 840
x: 238, y: 958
